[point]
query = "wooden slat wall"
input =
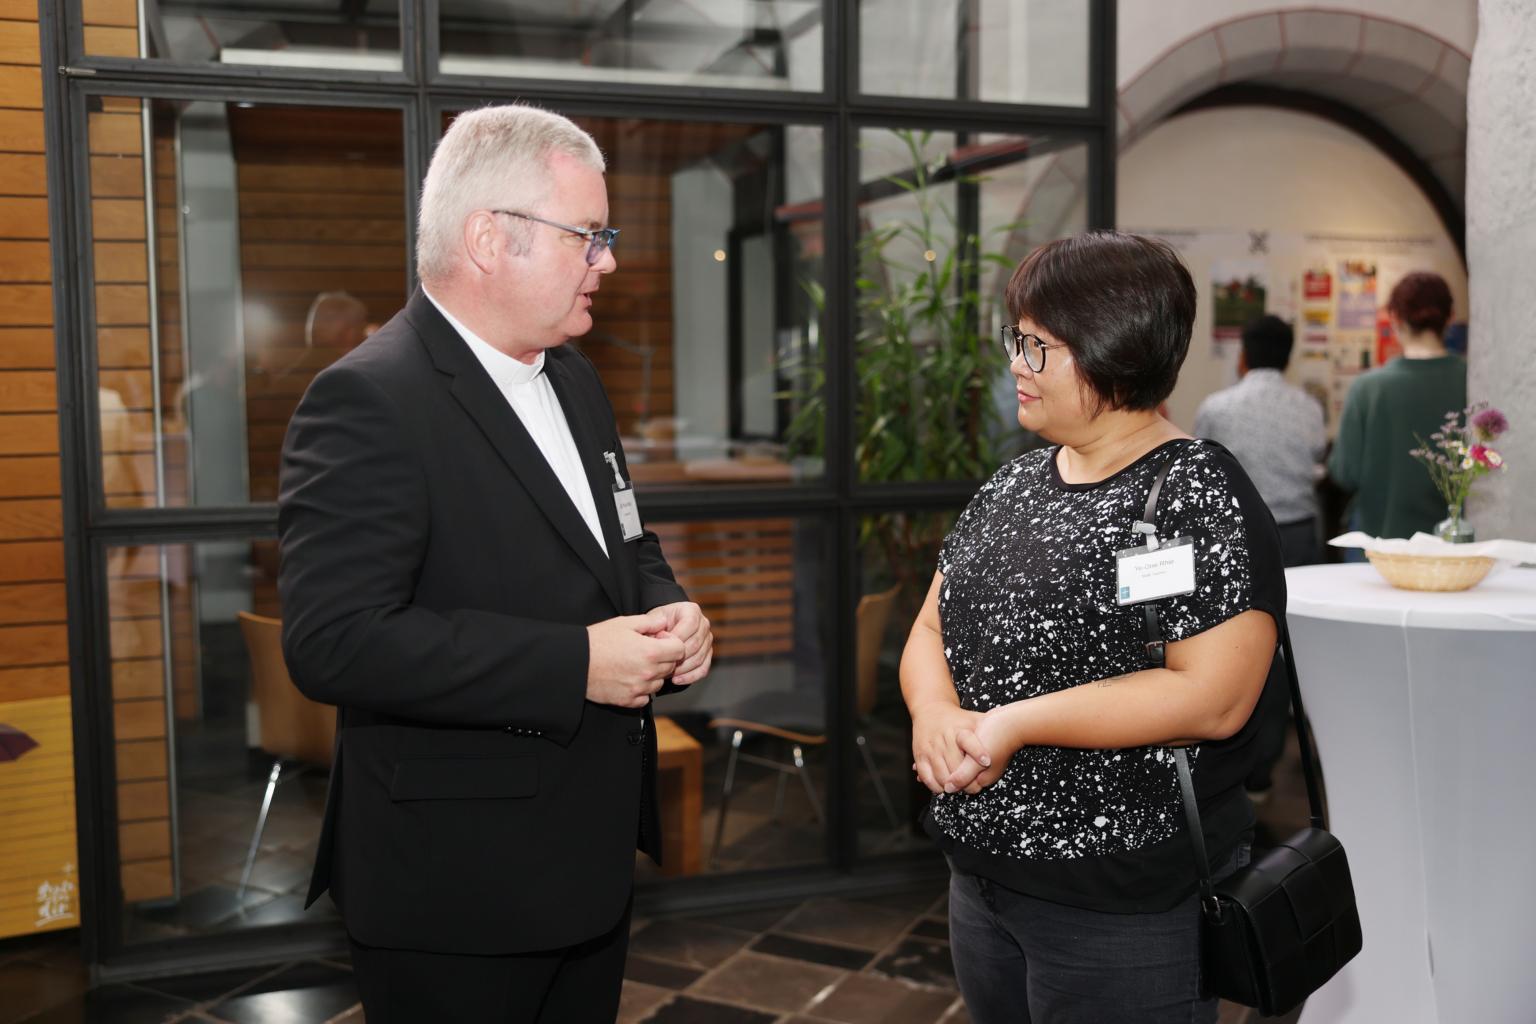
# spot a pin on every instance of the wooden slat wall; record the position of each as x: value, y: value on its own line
x: 121, y: 215
x: 741, y: 572
x: 36, y: 792
x: 287, y: 259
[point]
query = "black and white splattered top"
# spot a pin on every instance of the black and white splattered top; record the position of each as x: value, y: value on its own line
x: 1028, y: 607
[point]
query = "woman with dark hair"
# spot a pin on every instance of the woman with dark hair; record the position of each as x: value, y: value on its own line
x: 1042, y: 714
x: 1388, y: 406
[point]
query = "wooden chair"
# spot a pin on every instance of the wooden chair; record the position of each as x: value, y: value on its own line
x: 293, y: 727
x: 799, y: 718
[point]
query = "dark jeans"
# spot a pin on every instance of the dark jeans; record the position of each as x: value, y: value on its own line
x: 578, y: 983
x: 1021, y: 960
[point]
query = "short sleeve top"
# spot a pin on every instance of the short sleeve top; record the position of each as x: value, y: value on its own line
x: 1028, y: 607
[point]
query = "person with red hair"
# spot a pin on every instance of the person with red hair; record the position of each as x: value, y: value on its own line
x: 1390, y: 405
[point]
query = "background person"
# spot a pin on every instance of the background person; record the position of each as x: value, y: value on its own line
x: 457, y: 578
x: 1276, y: 430
x: 1387, y: 406
x: 1036, y: 720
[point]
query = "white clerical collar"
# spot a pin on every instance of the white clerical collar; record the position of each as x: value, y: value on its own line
x: 504, y: 370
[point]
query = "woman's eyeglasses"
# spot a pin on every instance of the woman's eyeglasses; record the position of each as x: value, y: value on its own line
x: 1031, y: 346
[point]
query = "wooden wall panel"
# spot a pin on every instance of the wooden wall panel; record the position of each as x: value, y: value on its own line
x: 38, y: 879
x: 741, y: 572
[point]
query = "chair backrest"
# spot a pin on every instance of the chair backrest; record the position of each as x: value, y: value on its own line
x: 292, y: 725
x: 873, y: 614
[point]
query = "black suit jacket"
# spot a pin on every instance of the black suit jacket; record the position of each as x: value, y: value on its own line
x: 436, y: 584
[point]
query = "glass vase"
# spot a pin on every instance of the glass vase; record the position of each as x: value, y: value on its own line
x: 1453, y: 529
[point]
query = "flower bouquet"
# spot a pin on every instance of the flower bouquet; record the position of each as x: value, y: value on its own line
x: 1458, y: 454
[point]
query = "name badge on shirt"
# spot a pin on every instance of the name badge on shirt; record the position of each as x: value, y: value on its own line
x: 1154, y: 571
x: 624, y: 501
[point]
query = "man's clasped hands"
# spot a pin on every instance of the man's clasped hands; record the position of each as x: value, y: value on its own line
x: 631, y: 656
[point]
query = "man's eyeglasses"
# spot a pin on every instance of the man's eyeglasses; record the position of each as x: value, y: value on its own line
x: 1031, y: 346
x: 598, y: 239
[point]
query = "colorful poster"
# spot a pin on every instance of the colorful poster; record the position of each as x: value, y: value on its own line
x: 1357, y: 295
x: 1238, y: 292
x: 1316, y: 284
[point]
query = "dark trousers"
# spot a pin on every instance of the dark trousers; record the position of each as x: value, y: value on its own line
x: 578, y: 983
x: 1021, y: 960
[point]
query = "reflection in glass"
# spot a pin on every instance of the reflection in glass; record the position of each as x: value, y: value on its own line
x: 363, y: 35
x: 899, y: 555
x: 254, y: 247
x: 202, y: 710
x: 744, y: 755
x: 944, y: 219
x: 746, y: 44
x: 708, y: 334
x: 999, y: 51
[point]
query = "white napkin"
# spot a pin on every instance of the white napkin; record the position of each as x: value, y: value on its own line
x: 1428, y: 544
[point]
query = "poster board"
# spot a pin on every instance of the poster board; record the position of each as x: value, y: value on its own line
x: 39, y: 880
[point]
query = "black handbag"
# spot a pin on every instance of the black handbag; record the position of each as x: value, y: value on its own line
x: 1275, y: 930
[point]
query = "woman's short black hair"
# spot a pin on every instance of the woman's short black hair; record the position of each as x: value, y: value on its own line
x: 1267, y: 343
x: 1123, y: 304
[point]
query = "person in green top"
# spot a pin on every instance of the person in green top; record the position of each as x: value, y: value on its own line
x: 1385, y: 408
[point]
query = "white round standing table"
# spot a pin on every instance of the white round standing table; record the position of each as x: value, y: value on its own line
x: 1424, y: 710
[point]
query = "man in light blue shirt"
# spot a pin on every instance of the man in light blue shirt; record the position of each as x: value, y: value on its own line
x: 1276, y: 431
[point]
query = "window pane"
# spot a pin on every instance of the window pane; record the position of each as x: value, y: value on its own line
x: 356, y: 36
x: 1000, y: 51
x: 201, y: 710
x: 707, y: 336
x: 271, y: 241
x: 736, y: 44
x: 944, y: 220
x: 739, y: 804
x: 899, y: 555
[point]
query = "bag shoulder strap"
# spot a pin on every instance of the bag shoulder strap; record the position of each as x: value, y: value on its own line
x: 1157, y: 656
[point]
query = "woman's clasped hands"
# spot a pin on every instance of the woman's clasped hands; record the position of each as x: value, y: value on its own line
x: 956, y: 750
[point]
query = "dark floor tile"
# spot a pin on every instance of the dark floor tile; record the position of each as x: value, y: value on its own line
x: 872, y: 999
x: 932, y: 928
x: 27, y: 989
x: 755, y: 919
x: 116, y: 1004
x: 918, y: 960
x: 767, y: 982
x: 200, y: 988
x: 855, y: 924
x: 659, y: 973
x: 639, y: 1000
x: 306, y: 993
x: 916, y: 899
x: 687, y: 1010
x: 687, y: 942
x: 815, y: 952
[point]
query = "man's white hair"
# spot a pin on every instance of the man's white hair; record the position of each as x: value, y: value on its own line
x: 491, y: 158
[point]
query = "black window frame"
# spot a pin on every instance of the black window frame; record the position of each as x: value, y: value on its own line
x: 422, y: 94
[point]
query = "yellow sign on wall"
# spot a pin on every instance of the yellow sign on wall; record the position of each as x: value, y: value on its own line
x: 39, y: 881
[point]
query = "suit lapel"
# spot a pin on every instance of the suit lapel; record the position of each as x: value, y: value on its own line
x: 474, y: 390
x: 577, y: 405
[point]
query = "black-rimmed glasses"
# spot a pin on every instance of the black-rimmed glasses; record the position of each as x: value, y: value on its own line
x: 598, y: 239
x: 1031, y: 346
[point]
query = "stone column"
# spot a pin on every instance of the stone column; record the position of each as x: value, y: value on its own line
x: 1501, y: 255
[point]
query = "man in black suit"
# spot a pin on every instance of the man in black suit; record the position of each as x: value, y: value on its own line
x: 464, y: 575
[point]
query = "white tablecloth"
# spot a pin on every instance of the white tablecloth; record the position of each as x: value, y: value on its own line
x: 1424, y: 710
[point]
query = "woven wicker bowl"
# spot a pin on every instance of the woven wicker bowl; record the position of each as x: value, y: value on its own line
x: 1430, y: 572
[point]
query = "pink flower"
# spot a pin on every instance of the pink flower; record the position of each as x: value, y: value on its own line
x: 1489, y: 424
x: 1486, y: 456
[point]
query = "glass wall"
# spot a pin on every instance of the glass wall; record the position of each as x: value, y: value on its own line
x: 799, y: 344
